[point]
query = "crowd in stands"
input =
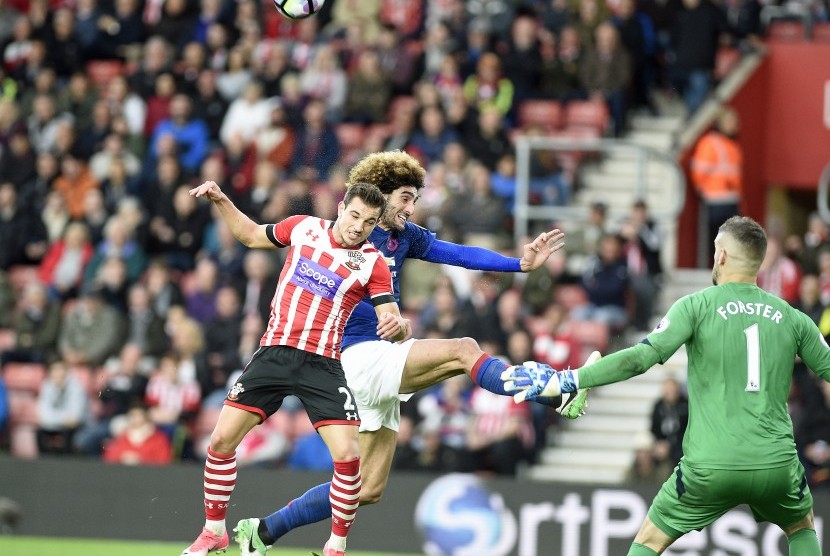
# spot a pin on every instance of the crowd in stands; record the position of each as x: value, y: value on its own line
x: 127, y: 308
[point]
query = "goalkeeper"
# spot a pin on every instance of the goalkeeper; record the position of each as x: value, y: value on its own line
x: 381, y: 373
x: 738, y: 448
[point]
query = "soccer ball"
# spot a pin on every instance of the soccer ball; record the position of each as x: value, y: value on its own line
x: 298, y: 9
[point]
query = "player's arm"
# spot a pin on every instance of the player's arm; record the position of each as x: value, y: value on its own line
x: 534, y: 254
x: 391, y: 325
x: 248, y: 232
x: 813, y: 349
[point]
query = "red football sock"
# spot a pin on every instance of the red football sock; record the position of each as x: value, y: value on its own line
x: 344, y: 495
x: 220, y: 478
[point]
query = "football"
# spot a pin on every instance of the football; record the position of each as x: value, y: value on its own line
x: 298, y: 9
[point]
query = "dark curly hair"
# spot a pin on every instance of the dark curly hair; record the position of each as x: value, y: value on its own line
x: 388, y: 171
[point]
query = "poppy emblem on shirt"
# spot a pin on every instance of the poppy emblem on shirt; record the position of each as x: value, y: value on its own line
x: 355, y: 259
x: 391, y: 243
x: 233, y: 393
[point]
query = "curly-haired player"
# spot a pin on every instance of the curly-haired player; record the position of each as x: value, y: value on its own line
x: 381, y: 373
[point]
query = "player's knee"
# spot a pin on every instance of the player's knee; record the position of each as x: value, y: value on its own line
x: 467, y: 351
x: 221, y: 443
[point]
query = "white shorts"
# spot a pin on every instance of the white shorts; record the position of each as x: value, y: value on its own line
x: 373, y: 373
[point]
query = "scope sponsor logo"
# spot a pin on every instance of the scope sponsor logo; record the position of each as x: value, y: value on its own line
x: 315, y: 278
x: 460, y: 515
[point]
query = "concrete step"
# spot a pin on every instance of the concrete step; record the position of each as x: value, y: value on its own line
x: 596, y: 458
x: 615, y: 424
x: 659, y: 140
x: 568, y: 439
x: 577, y: 474
x: 668, y: 123
x: 615, y: 405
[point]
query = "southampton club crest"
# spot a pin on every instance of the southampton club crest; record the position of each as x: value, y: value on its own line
x: 233, y: 393
x: 355, y: 259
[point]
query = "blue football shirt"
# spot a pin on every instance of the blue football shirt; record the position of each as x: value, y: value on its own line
x: 396, y: 246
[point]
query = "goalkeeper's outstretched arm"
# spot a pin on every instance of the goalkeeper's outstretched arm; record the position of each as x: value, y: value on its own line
x: 619, y: 366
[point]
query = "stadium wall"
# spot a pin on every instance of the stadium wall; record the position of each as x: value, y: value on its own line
x: 455, y: 514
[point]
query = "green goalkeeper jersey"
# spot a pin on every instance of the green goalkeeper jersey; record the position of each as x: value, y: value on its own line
x: 741, y: 343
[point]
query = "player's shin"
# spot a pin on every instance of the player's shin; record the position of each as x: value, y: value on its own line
x: 804, y: 543
x: 487, y: 373
x: 311, y: 507
x: 219, y: 482
x: 344, y: 497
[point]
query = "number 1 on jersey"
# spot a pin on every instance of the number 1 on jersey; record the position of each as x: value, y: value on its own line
x: 753, y: 359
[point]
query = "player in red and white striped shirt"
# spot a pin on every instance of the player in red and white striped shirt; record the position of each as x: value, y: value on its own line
x: 329, y: 269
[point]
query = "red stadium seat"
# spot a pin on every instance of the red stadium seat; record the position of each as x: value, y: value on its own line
x: 22, y: 408
x: 24, y: 442
x: 545, y: 113
x: 592, y: 114
x: 24, y: 376
x: 785, y: 30
x: 821, y: 31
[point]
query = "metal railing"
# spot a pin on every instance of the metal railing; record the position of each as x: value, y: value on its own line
x: 525, y: 213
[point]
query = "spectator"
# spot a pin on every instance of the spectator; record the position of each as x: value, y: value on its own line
x: 522, y: 60
x: 113, y: 149
x: 553, y: 344
x: 139, y: 443
x: 316, y: 149
x: 488, y: 86
x: 809, y: 303
x: 62, y: 269
x: 64, y: 50
x: 275, y: 142
x: 209, y: 105
x: 223, y: 334
x: 561, y: 63
x: 122, y: 30
x: 189, y: 346
x: 500, y: 435
x: 487, y: 140
x: 325, y: 80
x: 172, y: 402
x: 369, y: 90
x: 669, y: 418
x: 62, y: 407
x: 247, y: 115
x: 717, y: 169
x: 398, y: 63
x: 695, y: 36
x: 43, y: 123
x: 642, y: 252
x: 235, y: 78
x: 118, y: 242
x: 164, y: 293
x: 779, y: 274
x: 590, y: 14
x: 478, y: 215
x: 638, y: 37
x: 22, y: 237
x: 78, y: 99
x: 191, y: 135
x: 606, y: 73
x: 179, y: 229
x: 606, y: 284
x: 91, y: 331
x: 123, y: 101
x: 814, y: 433
x: 122, y: 387
x: 73, y: 183
x: 36, y: 322
x: 445, y: 410
x: 433, y: 134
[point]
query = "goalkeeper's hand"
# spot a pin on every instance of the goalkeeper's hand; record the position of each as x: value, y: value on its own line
x: 531, y: 380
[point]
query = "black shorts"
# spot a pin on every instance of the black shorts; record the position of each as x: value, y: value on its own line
x: 275, y: 372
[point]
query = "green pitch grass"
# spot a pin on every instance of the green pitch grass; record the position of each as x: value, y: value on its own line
x: 50, y: 546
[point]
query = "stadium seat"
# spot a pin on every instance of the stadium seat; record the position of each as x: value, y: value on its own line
x: 786, y: 30
x: 22, y: 408
x: 821, y: 31
x: 725, y: 61
x: 592, y: 114
x: 24, y: 442
x: 546, y: 114
x: 24, y: 376
x: 100, y: 72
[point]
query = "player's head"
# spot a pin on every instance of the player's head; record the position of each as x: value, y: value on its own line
x: 399, y: 176
x: 740, y: 247
x: 358, y: 214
